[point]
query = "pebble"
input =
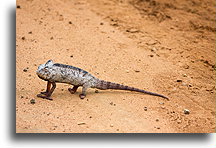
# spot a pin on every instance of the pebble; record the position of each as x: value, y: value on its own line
x: 178, y: 80
x: 161, y: 103
x: 132, y: 30
x: 145, y: 109
x: 96, y: 91
x: 162, y: 107
x: 154, y: 49
x: 186, y: 66
x: 136, y: 70
x: 114, y: 23
x: 127, y: 71
x: 111, y: 125
x: 32, y: 101
x: 184, y: 75
x: 186, y: 111
x: 81, y: 123
x: 157, y: 120
x: 25, y: 70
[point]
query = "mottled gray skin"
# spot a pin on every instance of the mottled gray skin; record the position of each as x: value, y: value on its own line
x: 61, y: 73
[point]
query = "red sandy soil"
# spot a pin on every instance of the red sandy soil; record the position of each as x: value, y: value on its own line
x: 161, y: 46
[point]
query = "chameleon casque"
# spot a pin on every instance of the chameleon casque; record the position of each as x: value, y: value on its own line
x: 60, y: 73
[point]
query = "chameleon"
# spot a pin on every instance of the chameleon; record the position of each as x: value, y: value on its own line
x: 60, y: 73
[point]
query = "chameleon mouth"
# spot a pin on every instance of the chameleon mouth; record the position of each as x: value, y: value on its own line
x: 42, y: 77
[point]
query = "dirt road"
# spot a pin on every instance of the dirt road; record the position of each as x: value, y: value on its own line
x: 160, y: 46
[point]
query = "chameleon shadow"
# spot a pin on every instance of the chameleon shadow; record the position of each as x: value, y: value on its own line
x: 78, y: 137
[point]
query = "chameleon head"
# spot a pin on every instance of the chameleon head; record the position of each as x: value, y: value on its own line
x: 44, y: 70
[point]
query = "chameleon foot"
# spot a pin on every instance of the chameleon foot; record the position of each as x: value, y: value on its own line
x: 44, y: 92
x: 44, y: 97
x: 72, y: 91
x: 82, y: 96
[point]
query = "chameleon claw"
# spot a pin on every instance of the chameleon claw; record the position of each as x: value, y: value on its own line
x: 44, y: 92
x: 44, y: 97
x: 82, y: 96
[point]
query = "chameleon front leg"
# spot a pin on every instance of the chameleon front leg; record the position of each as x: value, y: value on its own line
x: 83, y: 94
x: 49, y: 91
x: 73, y: 90
x: 48, y: 88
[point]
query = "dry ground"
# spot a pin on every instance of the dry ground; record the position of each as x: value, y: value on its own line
x: 157, y: 45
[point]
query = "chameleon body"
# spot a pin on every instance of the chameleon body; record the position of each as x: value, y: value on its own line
x: 60, y: 73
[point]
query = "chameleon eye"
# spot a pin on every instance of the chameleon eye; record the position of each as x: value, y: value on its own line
x: 46, y: 68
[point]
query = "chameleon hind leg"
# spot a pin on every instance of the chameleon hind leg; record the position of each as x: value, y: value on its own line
x: 83, y: 94
x: 73, y: 90
x: 48, y: 92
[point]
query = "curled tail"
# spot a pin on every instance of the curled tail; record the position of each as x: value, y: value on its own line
x: 110, y: 85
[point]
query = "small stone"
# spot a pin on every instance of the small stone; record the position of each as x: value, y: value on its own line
x: 29, y: 32
x: 162, y: 107
x: 132, y: 30
x: 157, y: 120
x: 70, y: 22
x: 151, y: 55
x: 81, y: 123
x: 101, y: 23
x: 184, y: 75
x: 161, y: 103
x: 111, y: 103
x: 178, y: 80
x: 25, y: 70
x: 18, y: 6
x: 189, y: 85
x: 127, y: 71
x: 96, y: 91
x: 136, y: 70
x: 186, y: 66
x: 145, y: 109
x: 32, y: 101
x: 51, y: 38
x: 90, y: 116
x: 114, y: 23
x: 186, y: 111
x: 71, y: 56
x: 154, y: 49
x: 111, y: 125
x: 158, y: 127
x: 23, y: 38
x: 22, y: 97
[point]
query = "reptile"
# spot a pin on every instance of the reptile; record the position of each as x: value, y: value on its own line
x: 60, y: 73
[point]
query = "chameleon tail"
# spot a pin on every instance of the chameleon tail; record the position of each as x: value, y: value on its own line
x: 110, y: 85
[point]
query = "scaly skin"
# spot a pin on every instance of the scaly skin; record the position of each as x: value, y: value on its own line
x: 59, y: 73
